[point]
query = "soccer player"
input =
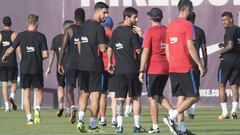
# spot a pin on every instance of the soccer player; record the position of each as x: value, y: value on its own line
x: 108, y: 25
x: 229, y: 68
x: 70, y: 40
x: 154, y: 59
x: 180, y: 51
x: 55, y: 48
x: 199, y: 42
x: 34, y: 48
x: 8, y: 71
x: 125, y: 44
x: 92, y: 39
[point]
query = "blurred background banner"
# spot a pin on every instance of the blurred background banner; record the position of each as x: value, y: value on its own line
x: 52, y: 13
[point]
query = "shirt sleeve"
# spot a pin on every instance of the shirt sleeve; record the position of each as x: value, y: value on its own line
x: 229, y: 35
x: 101, y: 36
x: 44, y: 46
x: 147, y: 40
x: 16, y: 42
x: 136, y: 41
x: 189, y: 32
x: 53, y: 45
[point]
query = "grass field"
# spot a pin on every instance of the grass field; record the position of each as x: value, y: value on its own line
x: 205, y: 123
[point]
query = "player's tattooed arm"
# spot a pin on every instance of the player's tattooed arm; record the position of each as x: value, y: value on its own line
x: 227, y: 48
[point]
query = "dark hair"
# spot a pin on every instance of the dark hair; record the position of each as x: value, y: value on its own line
x: 79, y: 15
x: 184, y: 4
x: 7, y: 21
x: 100, y: 5
x: 192, y: 17
x: 67, y: 22
x: 157, y: 19
x: 227, y: 13
x: 129, y: 11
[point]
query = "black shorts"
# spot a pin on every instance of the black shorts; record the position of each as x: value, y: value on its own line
x: 155, y: 84
x: 197, y: 75
x: 106, y: 76
x: 61, y: 80
x: 28, y: 81
x: 184, y: 84
x: 71, y: 77
x: 229, y: 72
x: 112, y: 83
x: 127, y: 84
x: 91, y: 81
x: 8, y: 73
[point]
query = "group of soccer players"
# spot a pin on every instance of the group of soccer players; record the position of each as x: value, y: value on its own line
x: 96, y: 60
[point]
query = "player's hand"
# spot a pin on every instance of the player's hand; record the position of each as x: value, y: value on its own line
x: 206, y: 69
x: 221, y: 45
x: 111, y: 68
x: 141, y: 77
x: 47, y: 72
x: 60, y: 69
x: 138, y: 30
x: 202, y: 71
x: 4, y: 59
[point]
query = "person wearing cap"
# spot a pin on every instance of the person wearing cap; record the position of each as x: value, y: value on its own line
x: 108, y: 83
x: 155, y: 64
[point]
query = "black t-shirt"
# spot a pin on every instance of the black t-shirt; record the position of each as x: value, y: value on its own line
x: 200, y: 40
x: 72, y: 51
x: 4, y: 45
x: 92, y: 35
x: 124, y: 42
x: 56, y: 47
x: 32, y: 43
x: 232, y: 34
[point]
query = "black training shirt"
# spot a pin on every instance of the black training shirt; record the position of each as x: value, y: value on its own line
x: 32, y: 43
x: 4, y: 45
x: 56, y: 47
x: 232, y: 34
x: 72, y: 51
x: 124, y: 42
x: 92, y: 35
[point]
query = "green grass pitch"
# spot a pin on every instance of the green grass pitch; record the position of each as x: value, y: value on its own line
x: 205, y: 123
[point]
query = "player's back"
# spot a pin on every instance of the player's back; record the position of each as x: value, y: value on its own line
x: 32, y: 43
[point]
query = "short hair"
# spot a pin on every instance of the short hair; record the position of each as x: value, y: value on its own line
x: 192, y: 17
x: 7, y: 21
x: 129, y: 11
x: 67, y: 22
x: 79, y: 15
x: 227, y: 13
x: 184, y: 4
x: 32, y: 19
x: 100, y: 5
